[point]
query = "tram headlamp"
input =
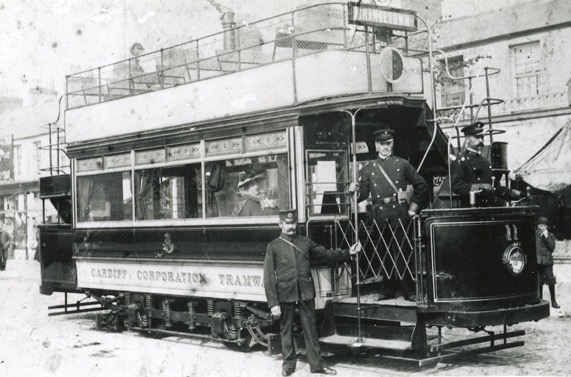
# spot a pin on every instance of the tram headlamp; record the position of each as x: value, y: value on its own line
x: 514, y: 259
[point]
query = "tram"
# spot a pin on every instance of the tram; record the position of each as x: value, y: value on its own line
x: 148, y: 220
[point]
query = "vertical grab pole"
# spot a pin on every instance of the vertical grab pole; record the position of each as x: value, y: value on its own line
x: 359, y: 341
x: 488, y: 99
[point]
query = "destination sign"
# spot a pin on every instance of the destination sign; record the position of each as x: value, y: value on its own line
x: 377, y: 16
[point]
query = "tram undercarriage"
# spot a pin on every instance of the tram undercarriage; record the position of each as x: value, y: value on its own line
x: 393, y: 328
x: 239, y: 325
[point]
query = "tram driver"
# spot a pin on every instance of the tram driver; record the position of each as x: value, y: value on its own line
x: 472, y: 172
x: 386, y: 179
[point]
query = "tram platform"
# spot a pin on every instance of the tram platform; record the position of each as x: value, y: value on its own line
x: 373, y: 299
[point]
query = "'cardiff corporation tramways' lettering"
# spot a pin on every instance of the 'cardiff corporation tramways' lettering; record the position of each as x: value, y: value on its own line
x: 177, y: 277
x: 241, y: 280
x: 109, y: 273
x: 172, y: 277
x: 145, y: 275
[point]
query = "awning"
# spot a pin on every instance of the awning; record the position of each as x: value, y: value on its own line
x: 550, y: 168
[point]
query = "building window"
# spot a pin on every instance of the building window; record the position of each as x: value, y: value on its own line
x: 453, y: 91
x: 17, y: 161
x: 37, y: 145
x: 527, y: 69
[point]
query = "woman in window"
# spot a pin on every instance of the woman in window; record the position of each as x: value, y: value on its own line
x: 249, y: 193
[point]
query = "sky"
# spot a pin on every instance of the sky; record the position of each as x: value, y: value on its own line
x: 42, y: 41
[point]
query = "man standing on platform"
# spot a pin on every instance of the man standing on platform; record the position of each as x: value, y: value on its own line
x: 386, y: 180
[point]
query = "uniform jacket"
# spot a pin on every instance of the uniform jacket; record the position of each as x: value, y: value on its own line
x: 470, y: 168
x: 401, y: 172
x: 544, y: 248
x: 287, y: 270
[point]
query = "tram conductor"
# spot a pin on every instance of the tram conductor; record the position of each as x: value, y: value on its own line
x: 472, y: 172
x: 288, y: 284
x: 386, y: 180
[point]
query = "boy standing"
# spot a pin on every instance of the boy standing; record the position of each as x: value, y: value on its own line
x: 545, y: 245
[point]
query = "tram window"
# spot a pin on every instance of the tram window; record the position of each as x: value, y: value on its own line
x: 104, y: 197
x: 168, y: 193
x: 325, y: 132
x: 327, y: 182
x: 254, y: 186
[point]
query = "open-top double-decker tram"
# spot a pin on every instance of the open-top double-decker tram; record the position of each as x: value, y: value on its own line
x: 151, y: 222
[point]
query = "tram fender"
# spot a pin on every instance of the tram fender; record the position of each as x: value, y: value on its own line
x: 497, y: 317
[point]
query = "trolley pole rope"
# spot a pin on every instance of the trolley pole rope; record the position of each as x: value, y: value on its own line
x: 359, y: 341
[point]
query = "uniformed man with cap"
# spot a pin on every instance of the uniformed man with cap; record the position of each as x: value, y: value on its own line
x: 288, y: 283
x: 386, y: 180
x: 473, y: 172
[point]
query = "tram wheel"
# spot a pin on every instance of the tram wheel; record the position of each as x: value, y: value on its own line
x: 147, y: 331
x: 108, y: 322
x: 243, y: 346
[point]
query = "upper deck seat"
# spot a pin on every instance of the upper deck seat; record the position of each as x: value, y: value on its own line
x: 171, y: 76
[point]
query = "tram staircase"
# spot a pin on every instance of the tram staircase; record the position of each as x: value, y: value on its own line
x: 495, y: 152
x: 390, y: 324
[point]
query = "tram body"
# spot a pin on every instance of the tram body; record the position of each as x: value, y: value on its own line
x: 145, y: 219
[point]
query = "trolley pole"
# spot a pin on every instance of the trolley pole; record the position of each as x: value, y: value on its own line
x: 359, y: 341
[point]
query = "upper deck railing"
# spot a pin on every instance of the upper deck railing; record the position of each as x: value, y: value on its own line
x: 278, y: 38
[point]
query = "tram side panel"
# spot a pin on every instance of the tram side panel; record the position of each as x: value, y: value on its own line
x: 193, y: 262
x: 220, y: 262
x: 58, y: 271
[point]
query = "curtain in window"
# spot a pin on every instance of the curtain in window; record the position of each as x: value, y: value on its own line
x: 84, y: 193
x: 144, y: 195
